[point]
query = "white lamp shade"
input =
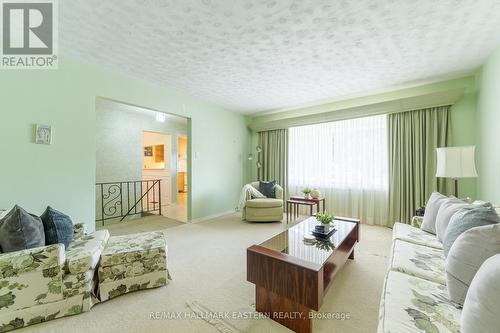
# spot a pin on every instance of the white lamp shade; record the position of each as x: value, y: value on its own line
x: 456, y: 162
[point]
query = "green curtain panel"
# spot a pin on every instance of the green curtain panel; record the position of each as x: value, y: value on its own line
x: 413, y: 139
x: 274, y: 157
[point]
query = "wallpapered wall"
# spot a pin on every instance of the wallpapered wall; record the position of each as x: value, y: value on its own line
x: 119, y: 153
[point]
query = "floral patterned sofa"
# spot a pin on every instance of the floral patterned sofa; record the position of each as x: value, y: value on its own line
x: 415, y: 298
x: 48, y: 282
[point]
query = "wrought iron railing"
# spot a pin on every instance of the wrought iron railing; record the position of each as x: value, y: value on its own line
x: 121, y: 199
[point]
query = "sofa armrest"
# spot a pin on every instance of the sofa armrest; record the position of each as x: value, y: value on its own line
x: 279, y: 191
x: 84, y: 252
x: 35, y: 259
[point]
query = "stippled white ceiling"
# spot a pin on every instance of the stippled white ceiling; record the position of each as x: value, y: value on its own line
x: 256, y: 55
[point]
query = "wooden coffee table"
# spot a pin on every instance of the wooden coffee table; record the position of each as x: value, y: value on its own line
x: 292, y: 277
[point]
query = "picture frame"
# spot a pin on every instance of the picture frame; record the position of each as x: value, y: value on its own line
x: 43, y: 134
x: 148, y: 151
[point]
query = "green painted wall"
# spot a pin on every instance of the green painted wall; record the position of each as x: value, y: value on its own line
x: 463, y: 125
x: 488, y: 130
x: 63, y: 174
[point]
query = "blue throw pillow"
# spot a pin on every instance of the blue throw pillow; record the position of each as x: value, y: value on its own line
x: 268, y: 188
x: 58, y: 227
x: 465, y: 219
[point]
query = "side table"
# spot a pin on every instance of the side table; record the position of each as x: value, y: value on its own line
x: 317, y: 201
x: 292, y: 208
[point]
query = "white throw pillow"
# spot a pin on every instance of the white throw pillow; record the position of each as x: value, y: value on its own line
x: 431, y: 209
x: 466, y: 255
x: 445, y: 212
x: 481, y: 312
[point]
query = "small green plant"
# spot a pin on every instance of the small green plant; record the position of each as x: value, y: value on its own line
x: 324, y: 218
x: 306, y: 190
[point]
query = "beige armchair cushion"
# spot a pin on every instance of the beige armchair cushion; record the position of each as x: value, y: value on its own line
x: 264, y: 203
x: 264, y: 209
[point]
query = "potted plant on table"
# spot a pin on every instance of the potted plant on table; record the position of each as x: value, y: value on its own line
x: 307, y: 192
x: 325, y: 219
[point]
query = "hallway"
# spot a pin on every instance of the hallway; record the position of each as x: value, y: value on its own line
x: 178, y: 210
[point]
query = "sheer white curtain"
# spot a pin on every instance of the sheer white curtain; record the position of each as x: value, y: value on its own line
x: 347, y: 160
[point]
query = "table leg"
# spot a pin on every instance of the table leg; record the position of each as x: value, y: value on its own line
x: 287, y: 204
x: 324, y: 205
x: 311, y: 207
x: 317, y: 207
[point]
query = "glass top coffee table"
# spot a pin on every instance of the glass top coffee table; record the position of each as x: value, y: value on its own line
x: 292, y: 276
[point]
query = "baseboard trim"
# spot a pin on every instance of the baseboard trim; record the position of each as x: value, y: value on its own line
x: 213, y: 216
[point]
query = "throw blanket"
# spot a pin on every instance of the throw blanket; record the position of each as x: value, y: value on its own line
x: 247, y: 193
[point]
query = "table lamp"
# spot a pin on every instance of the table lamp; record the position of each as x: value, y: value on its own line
x: 455, y: 163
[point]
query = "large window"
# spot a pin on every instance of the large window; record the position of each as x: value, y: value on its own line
x: 347, y: 160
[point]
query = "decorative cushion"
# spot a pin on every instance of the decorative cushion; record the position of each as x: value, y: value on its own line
x: 445, y: 212
x: 414, y: 235
x: 465, y: 219
x: 58, y: 227
x: 435, y: 201
x: 267, y: 188
x: 466, y: 255
x: 264, y: 203
x: 20, y: 230
x: 482, y: 308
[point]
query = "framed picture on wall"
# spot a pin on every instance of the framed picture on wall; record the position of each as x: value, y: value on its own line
x: 43, y: 134
x: 148, y: 151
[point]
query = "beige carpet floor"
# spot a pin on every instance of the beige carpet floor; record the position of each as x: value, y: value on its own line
x: 143, y: 224
x: 207, y: 262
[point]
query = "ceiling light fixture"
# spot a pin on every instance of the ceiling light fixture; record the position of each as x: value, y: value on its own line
x: 160, y: 117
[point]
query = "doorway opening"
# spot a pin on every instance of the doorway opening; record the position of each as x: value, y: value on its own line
x: 139, y: 162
